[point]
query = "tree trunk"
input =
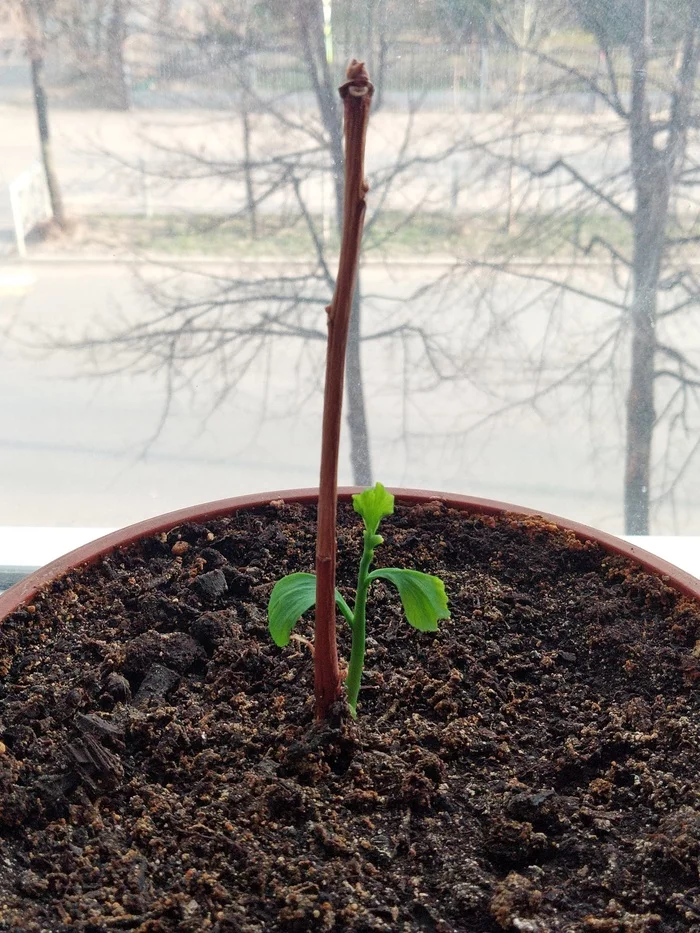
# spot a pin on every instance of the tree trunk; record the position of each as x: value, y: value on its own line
x: 524, y: 41
x: 653, y: 171
x: 360, y: 456
x: 250, y: 191
x: 165, y: 29
x: 98, y: 32
x: 311, y: 23
x: 640, y: 400
x: 119, y: 90
x: 368, y: 50
x: 651, y: 186
x: 382, y: 55
x: 357, y: 417
x: 42, y: 116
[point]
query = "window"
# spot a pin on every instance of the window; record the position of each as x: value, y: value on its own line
x: 526, y: 314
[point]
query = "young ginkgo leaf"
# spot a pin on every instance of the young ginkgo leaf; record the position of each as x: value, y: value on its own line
x: 423, y: 596
x: 373, y: 505
x: 290, y: 598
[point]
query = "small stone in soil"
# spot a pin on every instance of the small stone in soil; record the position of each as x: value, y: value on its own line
x: 156, y: 685
x: 118, y: 687
x: 210, y: 627
x: 210, y: 586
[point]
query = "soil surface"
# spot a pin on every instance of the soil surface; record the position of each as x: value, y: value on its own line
x: 533, y: 766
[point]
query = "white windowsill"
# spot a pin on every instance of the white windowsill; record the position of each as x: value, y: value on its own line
x: 33, y: 547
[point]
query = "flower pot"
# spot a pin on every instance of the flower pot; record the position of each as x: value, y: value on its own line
x: 530, y: 767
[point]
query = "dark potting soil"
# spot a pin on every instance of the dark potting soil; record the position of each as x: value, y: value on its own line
x: 531, y: 767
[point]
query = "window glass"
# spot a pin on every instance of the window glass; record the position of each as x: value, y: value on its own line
x: 526, y: 316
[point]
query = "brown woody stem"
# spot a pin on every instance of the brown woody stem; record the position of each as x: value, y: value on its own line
x: 356, y: 94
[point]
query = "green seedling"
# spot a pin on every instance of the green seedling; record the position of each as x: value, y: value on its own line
x: 423, y: 596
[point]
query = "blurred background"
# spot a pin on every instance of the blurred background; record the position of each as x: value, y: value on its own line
x: 526, y: 319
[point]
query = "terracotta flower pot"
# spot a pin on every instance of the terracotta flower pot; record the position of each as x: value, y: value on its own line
x: 160, y: 768
x: 23, y: 591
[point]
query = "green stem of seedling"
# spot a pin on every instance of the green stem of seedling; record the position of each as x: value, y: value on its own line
x: 359, y: 623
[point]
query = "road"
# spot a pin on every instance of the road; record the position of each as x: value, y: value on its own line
x: 80, y: 450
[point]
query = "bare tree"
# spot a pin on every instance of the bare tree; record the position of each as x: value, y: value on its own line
x: 83, y: 29
x: 637, y: 218
x: 600, y: 231
x: 295, y: 183
x: 100, y: 41
x: 116, y: 66
x: 36, y: 16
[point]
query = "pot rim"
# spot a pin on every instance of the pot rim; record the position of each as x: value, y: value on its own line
x: 25, y: 590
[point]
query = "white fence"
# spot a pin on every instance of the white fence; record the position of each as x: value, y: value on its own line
x: 29, y: 203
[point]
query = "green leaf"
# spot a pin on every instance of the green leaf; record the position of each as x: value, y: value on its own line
x: 290, y: 598
x: 422, y: 595
x: 373, y: 505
